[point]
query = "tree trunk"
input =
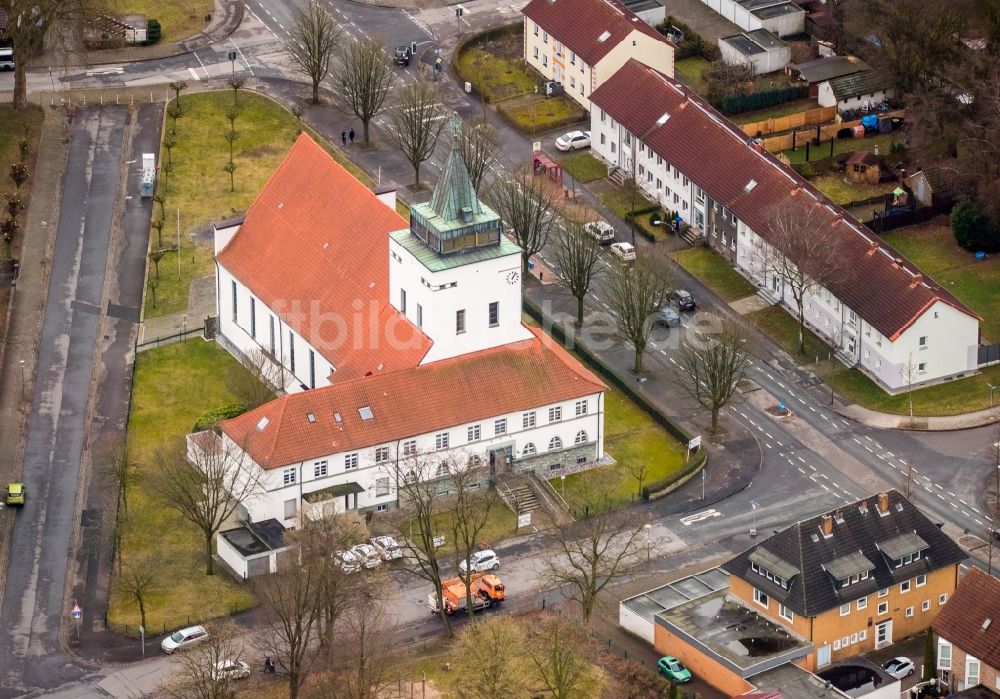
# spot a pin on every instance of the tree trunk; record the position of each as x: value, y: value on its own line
x: 315, y: 98
x: 802, y: 330
x: 715, y: 420
x: 20, y: 84
x: 293, y: 685
x: 364, y: 124
x: 579, y: 309
x: 416, y: 173
x: 210, y: 569
x: 637, y: 367
x: 525, y: 257
x: 142, y: 610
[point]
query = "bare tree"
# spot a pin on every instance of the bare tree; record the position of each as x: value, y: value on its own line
x: 638, y: 471
x: 123, y: 470
x: 479, y: 143
x: 909, y: 370
x: 362, y: 655
x: 364, y: 79
x: 290, y: 610
x: 136, y: 580
x: 34, y: 24
x: 196, y: 675
x: 255, y: 380
x: 178, y: 87
x: 236, y: 84
x: 313, y: 42
x: 155, y: 255
x: 710, y: 364
x: 205, y: 483
x: 560, y: 658
x: 724, y: 79
x: 799, y: 254
x: 416, y: 121
x: 417, y: 519
x: 490, y: 660
x: 636, y: 293
x: 576, y: 254
x: 593, y: 552
x: 315, y: 539
x: 528, y: 208
x: 471, y: 506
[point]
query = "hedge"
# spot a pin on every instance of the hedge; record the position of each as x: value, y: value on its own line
x: 737, y: 104
x: 693, y: 465
x: 208, y: 420
x: 475, y: 39
x: 693, y: 44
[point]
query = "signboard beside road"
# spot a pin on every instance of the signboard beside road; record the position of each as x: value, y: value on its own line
x: 524, y: 520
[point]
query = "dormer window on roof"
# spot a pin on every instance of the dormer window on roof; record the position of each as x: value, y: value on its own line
x: 903, y: 549
x: 850, y: 569
x: 772, y: 567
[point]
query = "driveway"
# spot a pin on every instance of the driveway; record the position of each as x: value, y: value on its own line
x: 33, y: 603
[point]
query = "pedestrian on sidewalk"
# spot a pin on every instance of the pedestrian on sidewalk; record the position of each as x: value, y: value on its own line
x: 351, y: 134
x: 343, y: 138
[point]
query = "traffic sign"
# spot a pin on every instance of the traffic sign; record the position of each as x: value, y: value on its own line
x: 76, y: 612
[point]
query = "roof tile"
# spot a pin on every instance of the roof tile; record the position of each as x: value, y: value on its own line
x: 962, y: 621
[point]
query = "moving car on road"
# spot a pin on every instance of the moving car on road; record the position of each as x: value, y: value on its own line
x: 574, y: 140
x: 684, y: 300
x: 401, y: 56
x: 601, y: 231
x: 387, y: 547
x: 182, y: 638
x: 667, y: 316
x: 672, y: 668
x: 623, y: 251
x: 480, y: 561
x: 899, y: 667
x: 15, y: 494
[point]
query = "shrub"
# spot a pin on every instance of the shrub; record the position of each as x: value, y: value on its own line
x: 693, y: 44
x: 737, y: 104
x: 153, y: 31
x: 972, y: 230
x: 208, y: 420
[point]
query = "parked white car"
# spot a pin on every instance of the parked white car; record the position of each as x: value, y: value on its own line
x: 899, y: 667
x: 230, y: 669
x: 574, y: 140
x: 347, y: 561
x: 387, y: 547
x: 623, y: 251
x: 601, y: 231
x: 182, y: 638
x: 367, y: 555
x: 480, y: 562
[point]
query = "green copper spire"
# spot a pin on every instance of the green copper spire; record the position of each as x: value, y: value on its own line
x: 454, y: 192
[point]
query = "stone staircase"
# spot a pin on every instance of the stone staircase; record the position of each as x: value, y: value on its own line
x: 691, y: 235
x: 520, y: 495
x: 619, y: 176
x: 525, y: 493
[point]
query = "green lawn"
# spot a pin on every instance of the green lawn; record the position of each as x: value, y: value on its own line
x: 689, y: 71
x: 199, y: 188
x: 494, y: 76
x: 173, y: 386
x: 533, y: 114
x: 843, y: 145
x: 500, y: 525
x: 621, y: 202
x: 783, y: 328
x: 14, y: 126
x: 717, y: 274
x: 632, y: 437
x: 583, y: 166
x: 952, y: 398
x: 933, y: 249
x: 178, y: 19
x: 842, y: 191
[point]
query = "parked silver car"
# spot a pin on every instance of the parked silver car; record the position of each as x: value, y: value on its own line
x: 182, y: 638
x: 387, y: 547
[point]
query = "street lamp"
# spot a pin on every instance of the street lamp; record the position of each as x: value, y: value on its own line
x: 646, y: 528
x: 24, y: 395
x: 991, y: 388
x: 657, y: 124
x: 753, y: 506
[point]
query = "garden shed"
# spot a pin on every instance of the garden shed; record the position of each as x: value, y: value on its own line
x: 760, y: 48
x: 864, y: 166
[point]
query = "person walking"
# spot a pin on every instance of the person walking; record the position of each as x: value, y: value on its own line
x: 351, y: 134
x: 343, y: 137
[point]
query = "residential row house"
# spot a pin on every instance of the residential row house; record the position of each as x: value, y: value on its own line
x: 582, y: 43
x: 397, y: 344
x: 878, y: 312
x: 968, y: 634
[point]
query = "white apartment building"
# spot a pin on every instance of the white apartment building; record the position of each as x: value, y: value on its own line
x: 582, y: 43
x: 396, y: 342
x: 882, y: 316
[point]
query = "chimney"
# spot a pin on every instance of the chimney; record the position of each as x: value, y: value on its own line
x: 883, y: 503
x: 826, y: 525
x: 872, y: 249
x: 466, y: 214
x: 917, y: 279
x: 838, y: 516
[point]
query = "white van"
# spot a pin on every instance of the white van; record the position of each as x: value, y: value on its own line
x: 6, y: 59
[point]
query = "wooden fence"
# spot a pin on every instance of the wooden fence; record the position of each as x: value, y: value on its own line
x: 812, y: 117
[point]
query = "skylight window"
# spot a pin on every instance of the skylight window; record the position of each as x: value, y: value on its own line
x: 749, y: 186
x: 604, y: 37
x: 264, y: 422
x: 310, y: 417
x: 366, y: 413
x: 336, y: 416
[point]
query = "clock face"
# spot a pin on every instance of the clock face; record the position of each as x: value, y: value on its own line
x: 513, y: 276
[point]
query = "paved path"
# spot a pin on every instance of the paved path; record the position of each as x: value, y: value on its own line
x: 34, y: 604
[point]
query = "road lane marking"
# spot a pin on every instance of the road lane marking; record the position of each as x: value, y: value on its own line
x: 194, y: 74
x: 699, y: 516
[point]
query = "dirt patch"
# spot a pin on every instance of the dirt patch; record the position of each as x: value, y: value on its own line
x: 261, y: 151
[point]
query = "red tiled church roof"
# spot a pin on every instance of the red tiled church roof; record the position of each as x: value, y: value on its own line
x: 579, y: 24
x: 520, y: 376
x: 884, y: 288
x: 314, y: 247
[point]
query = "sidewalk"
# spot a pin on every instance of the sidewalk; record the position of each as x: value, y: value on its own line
x: 29, y: 295
x: 939, y: 423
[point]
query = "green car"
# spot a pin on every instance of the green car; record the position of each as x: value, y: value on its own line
x: 15, y: 494
x: 671, y: 668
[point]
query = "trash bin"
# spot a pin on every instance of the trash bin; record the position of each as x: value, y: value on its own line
x: 468, y: 87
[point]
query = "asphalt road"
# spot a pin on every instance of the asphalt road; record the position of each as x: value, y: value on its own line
x: 33, y: 604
